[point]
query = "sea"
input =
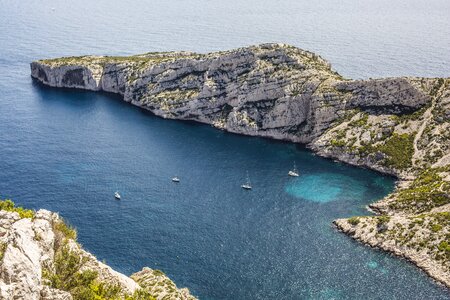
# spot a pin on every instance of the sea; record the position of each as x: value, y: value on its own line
x: 69, y: 150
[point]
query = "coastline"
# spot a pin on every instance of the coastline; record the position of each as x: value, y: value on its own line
x: 431, y: 268
x: 379, y: 124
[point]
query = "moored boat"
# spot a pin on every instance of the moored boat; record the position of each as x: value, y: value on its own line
x: 247, y: 185
x: 293, y: 172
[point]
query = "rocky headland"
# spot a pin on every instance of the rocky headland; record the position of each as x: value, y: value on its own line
x: 398, y: 126
x: 41, y: 260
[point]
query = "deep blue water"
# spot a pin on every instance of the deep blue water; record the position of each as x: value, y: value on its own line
x: 68, y: 151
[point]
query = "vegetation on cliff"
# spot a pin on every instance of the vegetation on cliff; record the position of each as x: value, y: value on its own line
x: 428, y: 190
x: 9, y: 205
x: 68, y: 268
x: 415, y: 146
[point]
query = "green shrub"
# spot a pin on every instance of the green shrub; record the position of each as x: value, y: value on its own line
x: 353, y: 221
x: 157, y: 272
x: 67, y: 231
x: 82, y: 285
x: 360, y: 122
x: 337, y: 143
x: 444, y: 246
x: 381, y: 220
x: 399, y: 150
x: 436, y: 227
x: 9, y: 205
x: 140, y: 295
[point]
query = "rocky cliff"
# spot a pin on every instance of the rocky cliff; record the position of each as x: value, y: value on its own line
x: 399, y: 126
x: 272, y: 90
x: 41, y: 260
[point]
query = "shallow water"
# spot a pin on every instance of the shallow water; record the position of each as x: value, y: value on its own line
x: 68, y: 151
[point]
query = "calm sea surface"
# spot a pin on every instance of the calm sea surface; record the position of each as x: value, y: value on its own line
x: 68, y: 151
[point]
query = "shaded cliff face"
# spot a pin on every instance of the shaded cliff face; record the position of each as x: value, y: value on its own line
x: 270, y: 90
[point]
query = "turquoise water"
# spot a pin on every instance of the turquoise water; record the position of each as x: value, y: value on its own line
x: 338, y: 187
x: 68, y: 151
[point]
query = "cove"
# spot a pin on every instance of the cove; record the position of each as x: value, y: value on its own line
x: 76, y: 148
x: 68, y: 151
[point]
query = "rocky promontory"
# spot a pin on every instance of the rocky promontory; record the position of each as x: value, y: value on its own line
x: 398, y: 126
x: 41, y: 260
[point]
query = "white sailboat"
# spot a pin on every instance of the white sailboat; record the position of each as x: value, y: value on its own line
x: 176, y: 179
x: 247, y: 185
x: 117, y: 195
x: 293, y: 172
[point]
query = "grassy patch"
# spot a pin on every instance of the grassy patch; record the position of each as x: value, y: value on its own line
x: 353, y: 221
x: 337, y: 143
x: 361, y: 122
x: 427, y: 191
x: 82, y: 285
x: 140, y: 295
x: 157, y: 272
x: 399, y: 150
x: 67, y: 231
x: 136, y: 60
x: 436, y: 227
x: 381, y: 220
x: 9, y: 205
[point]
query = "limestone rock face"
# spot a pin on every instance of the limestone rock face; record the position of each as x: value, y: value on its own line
x: 155, y: 280
x: 270, y: 90
x: 385, y: 96
x: 27, y: 247
x: 106, y: 273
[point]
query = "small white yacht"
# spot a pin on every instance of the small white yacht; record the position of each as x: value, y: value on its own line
x: 176, y: 179
x: 247, y: 185
x: 117, y: 195
x: 293, y: 172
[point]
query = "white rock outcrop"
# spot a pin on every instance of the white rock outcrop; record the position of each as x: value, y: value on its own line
x: 27, y: 246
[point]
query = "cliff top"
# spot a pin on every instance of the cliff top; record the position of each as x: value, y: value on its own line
x: 304, y: 59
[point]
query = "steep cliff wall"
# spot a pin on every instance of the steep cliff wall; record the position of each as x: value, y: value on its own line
x: 272, y: 90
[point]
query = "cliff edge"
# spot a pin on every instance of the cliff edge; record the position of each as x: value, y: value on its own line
x: 41, y: 260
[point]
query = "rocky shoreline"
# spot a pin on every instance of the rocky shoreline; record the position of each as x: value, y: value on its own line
x: 41, y: 260
x: 398, y: 126
x: 366, y: 233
